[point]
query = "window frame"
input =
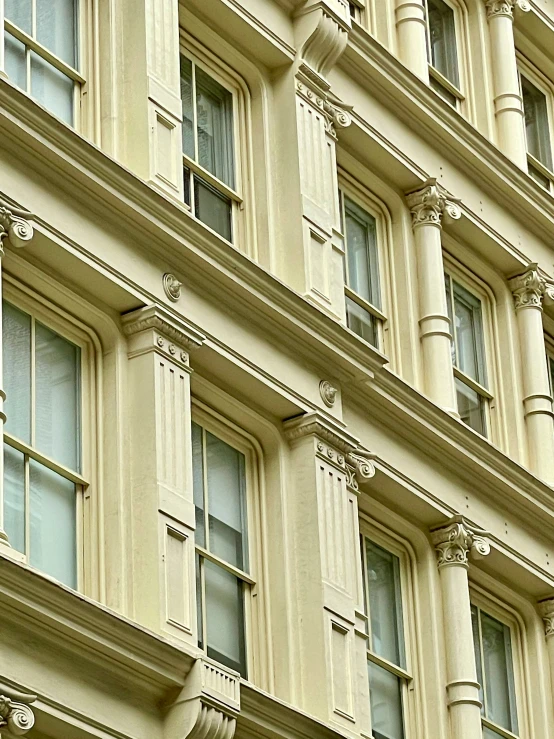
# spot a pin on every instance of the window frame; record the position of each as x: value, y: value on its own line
x: 434, y: 74
x: 71, y: 329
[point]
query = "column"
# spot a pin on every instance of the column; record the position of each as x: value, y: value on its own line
x: 454, y: 542
x: 411, y: 30
x: 16, y: 715
x: 16, y: 230
x: 323, y: 519
x: 546, y: 610
x: 150, y: 126
x: 529, y: 290
x: 428, y: 205
x: 162, y: 504
x: 508, y: 104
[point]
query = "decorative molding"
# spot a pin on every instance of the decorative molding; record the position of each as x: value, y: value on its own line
x: 335, y: 113
x: 458, y: 539
x: 530, y: 288
x: 15, y: 226
x: 16, y: 714
x: 325, y: 25
x: 546, y: 610
x: 359, y: 468
x: 430, y: 202
x: 328, y: 393
x: 327, y: 430
x: 505, y: 8
x: 172, y: 287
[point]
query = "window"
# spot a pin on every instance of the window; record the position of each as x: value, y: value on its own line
x: 495, y: 674
x: 356, y: 9
x: 386, y: 656
x: 363, y: 298
x: 465, y: 311
x: 42, y: 52
x: 442, y: 52
x: 43, y: 483
x: 208, y: 148
x: 220, y: 473
x: 537, y: 132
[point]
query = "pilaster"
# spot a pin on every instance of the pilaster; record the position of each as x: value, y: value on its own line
x: 412, y: 36
x: 16, y: 715
x: 429, y: 205
x: 161, y: 470
x: 529, y: 290
x: 327, y: 467
x: 455, y: 543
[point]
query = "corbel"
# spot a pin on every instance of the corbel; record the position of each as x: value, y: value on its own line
x: 16, y: 714
x: 15, y: 226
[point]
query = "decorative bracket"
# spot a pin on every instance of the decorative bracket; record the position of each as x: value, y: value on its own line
x: 15, y: 226
x: 458, y: 539
x: 16, y: 714
x: 496, y: 8
x: 430, y: 202
x: 546, y: 610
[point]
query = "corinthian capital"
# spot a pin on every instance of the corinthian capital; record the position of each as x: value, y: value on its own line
x: 505, y: 8
x: 529, y: 288
x: 546, y: 610
x: 456, y: 541
x: 15, y: 712
x: 14, y: 226
x: 429, y: 203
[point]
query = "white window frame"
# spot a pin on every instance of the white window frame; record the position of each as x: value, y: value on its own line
x: 434, y: 74
x: 74, y: 331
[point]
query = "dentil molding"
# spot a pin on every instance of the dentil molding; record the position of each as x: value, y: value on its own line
x: 530, y: 288
x: 505, y: 8
x: 16, y: 714
x: 456, y: 540
x: 430, y: 202
x: 15, y: 226
x: 546, y: 610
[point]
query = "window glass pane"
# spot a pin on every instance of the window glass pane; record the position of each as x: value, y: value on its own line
x: 188, y: 107
x: 469, y: 334
x: 471, y: 407
x: 386, y: 703
x: 214, y: 120
x: 16, y: 332
x: 385, y: 605
x: 53, y: 546
x: 52, y: 89
x: 448, y: 289
x: 14, y: 59
x: 539, y: 177
x: 442, y: 32
x: 57, y: 411
x: 186, y: 184
x: 497, y: 659
x: 361, y: 253
x: 14, y: 497
x: 212, y: 208
x: 198, y: 484
x: 226, y: 501
x: 478, y: 655
x: 225, y: 617
x: 362, y: 322
x: 19, y: 12
x: 56, y: 28
x: 536, y: 122
x: 199, y: 604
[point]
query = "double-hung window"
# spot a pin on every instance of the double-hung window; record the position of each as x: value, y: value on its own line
x: 363, y: 295
x: 209, y: 167
x: 444, y: 73
x: 465, y: 311
x: 536, y: 106
x: 42, y: 444
x: 495, y: 674
x: 386, y: 655
x: 222, y: 563
x: 41, y: 51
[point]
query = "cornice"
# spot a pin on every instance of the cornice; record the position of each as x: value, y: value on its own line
x: 178, y: 333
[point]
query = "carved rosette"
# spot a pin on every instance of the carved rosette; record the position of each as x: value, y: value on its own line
x: 328, y: 393
x: 16, y: 714
x: 172, y: 287
x: 505, y: 8
x: 429, y: 204
x: 546, y: 610
x: 15, y: 226
x: 456, y: 541
x: 529, y: 288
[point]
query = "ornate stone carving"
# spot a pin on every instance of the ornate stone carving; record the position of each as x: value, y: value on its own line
x: 505, y: 7
x: 530, y: 287
x: 546, y: 610
x: 429, y: 203
x: 359, y: 468
x: 457, y: 540
x: 324, y: 27
x: 328, y: 393
x: 15, y: 226
x: 171, y: 332
x: 16, y: 714
x: 172, y: 287
x: 335, y: 113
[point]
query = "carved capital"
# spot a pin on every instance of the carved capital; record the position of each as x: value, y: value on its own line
x: 496, y: 8
x: 429, y: 203
x: 16, y: 714
x: 15, y: 226
x: 546, y: 610
x: 457, y: 540
x: 335, y: 113
x: 529, y: 288
x: 359, y: 468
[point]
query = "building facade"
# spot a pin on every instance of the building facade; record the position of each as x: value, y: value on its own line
x: 277, y: 284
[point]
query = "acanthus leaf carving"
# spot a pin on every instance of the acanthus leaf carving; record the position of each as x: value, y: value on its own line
x: 16, y: 714
x: 505, y: 8
x: 456, y: 541
x: 15, y: 226
x: 529, y: 288
x: 546, y: 610
x: 429, y: 203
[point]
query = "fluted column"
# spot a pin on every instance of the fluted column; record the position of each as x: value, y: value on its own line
x: 546, y: 610
x: 428, y: 205
x: 508, y: 104
x: 454, y: 543
x: 15, y: 228
x: 529, y: 290
x: 412, y: 36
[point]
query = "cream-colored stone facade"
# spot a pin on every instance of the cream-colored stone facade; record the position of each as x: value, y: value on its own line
x: 278, y: 284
